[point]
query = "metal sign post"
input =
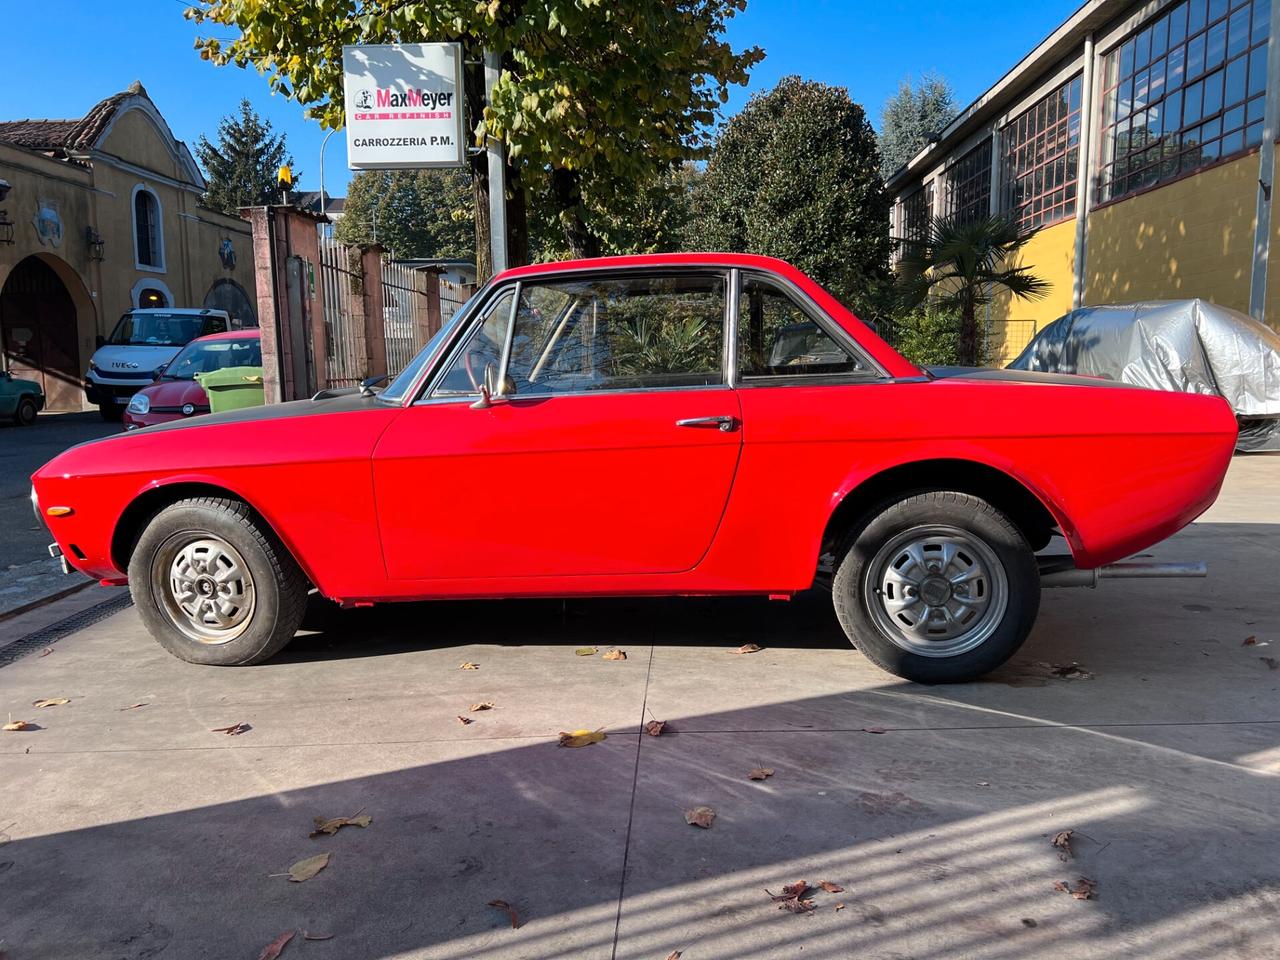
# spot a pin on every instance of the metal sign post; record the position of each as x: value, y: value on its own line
x: 497, y: 173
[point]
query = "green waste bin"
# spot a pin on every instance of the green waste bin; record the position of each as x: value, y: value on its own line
x: 232, y: 388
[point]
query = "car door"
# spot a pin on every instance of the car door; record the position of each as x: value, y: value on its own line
x: 612, y: 452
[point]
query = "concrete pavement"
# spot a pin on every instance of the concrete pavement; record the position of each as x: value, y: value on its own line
x: 134, y: 831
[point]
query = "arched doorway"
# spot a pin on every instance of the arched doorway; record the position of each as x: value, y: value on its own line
x: 226, y: 294
x: 38, y: 332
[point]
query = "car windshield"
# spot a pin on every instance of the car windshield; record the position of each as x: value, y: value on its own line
x: 395, y: 390
x: 156, y: 329
x: 205, y: 356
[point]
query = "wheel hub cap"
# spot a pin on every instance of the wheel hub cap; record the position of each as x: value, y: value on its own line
x: 210, y: 595
x: 936, y: 591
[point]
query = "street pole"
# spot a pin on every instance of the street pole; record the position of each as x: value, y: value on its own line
x: 323, y: 196
x: 497, y: 173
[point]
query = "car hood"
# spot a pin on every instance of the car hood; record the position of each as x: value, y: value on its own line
x: 127, y: 359
x: 1004, y: 375
x: 174, y: 393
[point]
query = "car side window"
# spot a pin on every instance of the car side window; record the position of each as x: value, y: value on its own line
x: 465, y: 373
x: 777, y: 338
x: 618, y: 333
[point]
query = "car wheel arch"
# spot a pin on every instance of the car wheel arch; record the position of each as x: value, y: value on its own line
x: 150, y: 501
x: 1026, y: 507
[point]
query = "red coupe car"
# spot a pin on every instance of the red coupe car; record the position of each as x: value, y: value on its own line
x: 656, y: 425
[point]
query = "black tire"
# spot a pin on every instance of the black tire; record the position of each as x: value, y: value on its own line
x: 868, y: 555
x: 277, y: 588
x: 111, y: 412
x: 25, y: 415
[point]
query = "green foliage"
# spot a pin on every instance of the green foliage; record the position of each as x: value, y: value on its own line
x: 594, y: 98
x: 241, y: 167
x: 960, y: 266
x: 929, y: 337
x: 417, y: 213
x: 796, y: 175
x: 910, y: 117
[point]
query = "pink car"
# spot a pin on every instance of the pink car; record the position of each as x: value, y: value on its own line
x: 176, y: 394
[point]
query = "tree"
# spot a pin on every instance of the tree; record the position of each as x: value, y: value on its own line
x: 241, y: 168
x: 592, y: 99
x: 796, y: 175
x: 961, y: 266
x: 911, y: 117
x: 413, y: 213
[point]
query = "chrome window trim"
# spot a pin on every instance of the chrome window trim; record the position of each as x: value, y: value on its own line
x: 731, y: 328
x: 474, y: 307
x: 544, y: 397
x: 466, y: 330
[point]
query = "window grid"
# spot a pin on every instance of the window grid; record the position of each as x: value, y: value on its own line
x: 1040, y: 153
x: 969, y: 185
x: 916, y: 211
x: 1184, y: 91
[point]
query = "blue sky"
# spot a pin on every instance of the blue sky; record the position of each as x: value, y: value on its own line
x: 62, y: 56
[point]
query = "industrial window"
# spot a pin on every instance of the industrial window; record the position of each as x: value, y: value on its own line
x: 1040, y: 153
x: 147, y: 232
x: 1184, y: 91
x: 969, y: 185
x: 916, y: 211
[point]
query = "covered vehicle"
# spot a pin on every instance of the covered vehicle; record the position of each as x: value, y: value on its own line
x: 654, y: 425
x: 176, y: 392
x: 1189, y: 346
x: 143, y: 341
x: 20, y: 400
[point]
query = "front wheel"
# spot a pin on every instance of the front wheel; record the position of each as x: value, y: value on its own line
x: 939, y: 587
x: 213, y: 586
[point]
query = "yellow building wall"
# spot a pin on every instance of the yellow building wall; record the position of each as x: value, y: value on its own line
x: 1049, y: 255
x: 1190, y: 238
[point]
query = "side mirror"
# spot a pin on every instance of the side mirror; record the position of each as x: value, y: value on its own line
x: 493, y: 390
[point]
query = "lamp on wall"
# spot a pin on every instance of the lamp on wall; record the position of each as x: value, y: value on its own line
x: 6, y: 225
x: 93, y: 240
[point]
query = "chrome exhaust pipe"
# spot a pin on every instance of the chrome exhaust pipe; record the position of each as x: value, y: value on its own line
x: 1125, y: 570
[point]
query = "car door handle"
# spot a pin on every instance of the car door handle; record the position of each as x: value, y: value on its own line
x: 725, y: 424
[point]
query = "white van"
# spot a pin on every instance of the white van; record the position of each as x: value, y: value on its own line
x: 143, y: 341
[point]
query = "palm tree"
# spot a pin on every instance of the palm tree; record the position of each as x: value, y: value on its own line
x: 961, y: 266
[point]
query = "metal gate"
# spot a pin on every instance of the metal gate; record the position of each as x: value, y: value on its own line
x: 453, y: 296
x: 344, y: 356
x: 405, y: 317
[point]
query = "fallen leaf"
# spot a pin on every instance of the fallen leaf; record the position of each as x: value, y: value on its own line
x: 511, y: 911
x: 797, y: 889
x: 308, y: 868
x: 132, y: 706
x: 585, y: 652
x: 332, y: 826
x: 700, y: 817
x: 1249, y: 641
x: 654, y: 728
x: 614, y: 654
x: 1271, y: 662
x: 484, y: 705
x: 760, y: 773
x: 673, y: 955
x: 874, y: 730
x: 1083, y: 890
x: 50, y: 702
x: 16, y: 725
x: 234, y: 730
x: 1062, y: 841
x: 581, y: 738
x: 273, y: 949
x: 830, y: 887
x: 46, y: 651
x: 792, y: 897
x: 316, y: 936
x: 839, y: 906
x: 748, y: 648
x: 469, y: 666
x: 465, y: 720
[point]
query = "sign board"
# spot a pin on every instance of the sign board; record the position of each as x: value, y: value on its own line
x: 404, y: 105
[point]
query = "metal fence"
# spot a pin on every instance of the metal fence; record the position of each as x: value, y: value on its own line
x: 452, y: 296
x: 343, y: 350
x: 1007, y: 338
x: 404, y: 313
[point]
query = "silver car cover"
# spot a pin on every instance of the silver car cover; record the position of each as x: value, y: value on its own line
x: 1188, y: 346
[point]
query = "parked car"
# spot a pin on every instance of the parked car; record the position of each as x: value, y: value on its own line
x: 20, y: 400
x: 143, y: 341
x: 176, y: 393
x: 627, y: 426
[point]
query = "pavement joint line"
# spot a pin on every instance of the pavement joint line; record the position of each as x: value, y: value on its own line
x: 631, y: 807
x: 15, y: 651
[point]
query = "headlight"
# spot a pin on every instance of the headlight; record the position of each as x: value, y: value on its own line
x: 140, y: 404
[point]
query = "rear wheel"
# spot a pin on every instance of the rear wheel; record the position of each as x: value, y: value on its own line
x: 25, y: 415
x: 939, y: 587
x: 214, y: 586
